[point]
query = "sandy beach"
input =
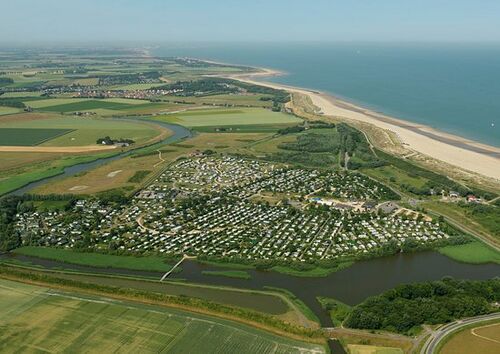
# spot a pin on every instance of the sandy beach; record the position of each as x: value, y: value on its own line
x: 454, y: 150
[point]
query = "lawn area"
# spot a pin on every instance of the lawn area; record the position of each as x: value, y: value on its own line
x: 238, y: 274
x: 473, y: 252
x: 228, y: 117
x: 147, y: 263
x: 29, y: 136
x: 32, y: 317
x: 86, y: 130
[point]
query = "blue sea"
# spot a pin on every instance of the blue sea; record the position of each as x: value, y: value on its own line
x: 451, y: 87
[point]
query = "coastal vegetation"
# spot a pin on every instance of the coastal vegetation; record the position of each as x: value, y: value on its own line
x: 405, y: 308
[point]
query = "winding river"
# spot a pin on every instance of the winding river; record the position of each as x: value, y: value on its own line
x: 179, y: 133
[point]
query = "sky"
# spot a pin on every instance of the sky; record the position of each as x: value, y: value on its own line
x: 32, y: 21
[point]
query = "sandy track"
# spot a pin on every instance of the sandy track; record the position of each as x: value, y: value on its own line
x: 72, y: 149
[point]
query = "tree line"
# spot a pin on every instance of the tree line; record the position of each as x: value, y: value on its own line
x: 406, y: 307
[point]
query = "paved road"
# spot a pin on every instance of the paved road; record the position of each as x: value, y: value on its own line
x: 437, y: 336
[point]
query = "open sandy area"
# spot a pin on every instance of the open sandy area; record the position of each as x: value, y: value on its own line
x: 463, y: 153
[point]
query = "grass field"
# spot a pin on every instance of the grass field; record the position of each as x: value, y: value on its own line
x: 253, y: 128
x: 263, y: 302
x: 228, y: 117
x: 473, y: 252
x: 99, y: 179
x: 36, y: 319
x: 392, y: 175
x: 16, y: 178
x: 148, y: 263
x: 371, y: 349
x: 8, y: 110
x: 482, y: 338
x: 29, y: 136
x: 86, y: 130
x: 486, y: 223
x: 238, y: 274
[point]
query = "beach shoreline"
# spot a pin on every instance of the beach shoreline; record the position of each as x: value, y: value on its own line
x: 463, y: 153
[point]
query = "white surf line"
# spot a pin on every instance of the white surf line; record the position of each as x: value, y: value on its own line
x: 173, y: 268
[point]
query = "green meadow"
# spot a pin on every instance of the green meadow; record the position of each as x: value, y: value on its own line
x: 28, y: 136
x: 149, y: 263
x: 229, y: 117
x: 473, y: 252
x: 85, y: 131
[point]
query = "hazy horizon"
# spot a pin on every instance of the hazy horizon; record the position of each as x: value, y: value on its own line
x: 152, y: 21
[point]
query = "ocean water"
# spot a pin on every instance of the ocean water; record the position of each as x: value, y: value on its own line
x: 451, y: 87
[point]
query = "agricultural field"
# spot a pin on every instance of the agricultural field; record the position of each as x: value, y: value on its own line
x: 229, y: 117
x: 484, y: 338
x: 29, y: 136
x: 8, y: 110
x: 84, y: 131
x: 371, y: 349
x: 36, y: 317
x: 118, y: 174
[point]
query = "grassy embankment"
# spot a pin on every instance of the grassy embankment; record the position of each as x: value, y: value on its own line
x: 256, y: 319
x: 79, y: 322
x: 298, y: 302
x: 146, y: 263
x: 337, y: 310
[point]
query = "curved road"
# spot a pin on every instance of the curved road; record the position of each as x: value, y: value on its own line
x: 437, y: 336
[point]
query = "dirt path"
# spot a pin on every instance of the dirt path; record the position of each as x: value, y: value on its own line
x: 473, y: 332
x: 161, y: 159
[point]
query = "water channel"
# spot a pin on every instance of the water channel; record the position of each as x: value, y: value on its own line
x: 351, y: 285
